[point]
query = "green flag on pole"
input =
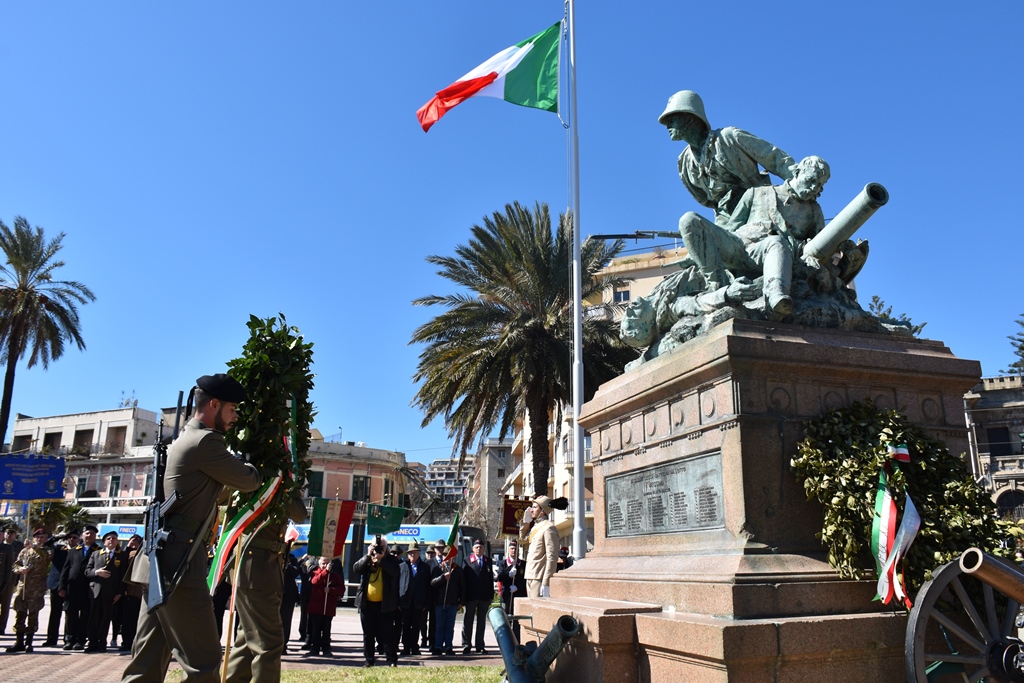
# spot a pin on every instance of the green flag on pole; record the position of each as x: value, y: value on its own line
x: 382, y: 519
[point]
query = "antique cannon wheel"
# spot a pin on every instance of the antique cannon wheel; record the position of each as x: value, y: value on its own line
x: 961, y: 629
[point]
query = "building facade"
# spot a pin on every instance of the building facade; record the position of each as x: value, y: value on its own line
x: 995, y: 418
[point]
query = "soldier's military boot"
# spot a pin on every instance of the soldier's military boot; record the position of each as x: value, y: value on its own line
x: 28, y: 642
x: 19, y: 645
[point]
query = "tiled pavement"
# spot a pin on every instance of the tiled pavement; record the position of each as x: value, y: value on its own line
x: 53, y: 665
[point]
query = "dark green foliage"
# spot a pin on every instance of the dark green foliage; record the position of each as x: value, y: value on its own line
x: 275, y: 364
x: 1017, y: 341
x: 504, y: 345
x: 839, y: 461
x: 880, y: 310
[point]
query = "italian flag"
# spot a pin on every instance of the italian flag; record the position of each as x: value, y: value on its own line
x: 329, y: 525
x: 453, y: 540
x: 525, y: 74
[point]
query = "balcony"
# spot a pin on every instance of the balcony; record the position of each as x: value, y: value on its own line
x: 588, y: 506
x: 570, y: 460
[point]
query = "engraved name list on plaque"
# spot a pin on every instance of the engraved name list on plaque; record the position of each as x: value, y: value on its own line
x: 682, y: 495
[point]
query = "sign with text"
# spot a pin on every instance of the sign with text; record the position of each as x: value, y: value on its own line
x: 27, y: 476
x: 683, y: 495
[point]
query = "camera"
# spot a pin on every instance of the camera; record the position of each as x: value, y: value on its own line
x: 378, y: 545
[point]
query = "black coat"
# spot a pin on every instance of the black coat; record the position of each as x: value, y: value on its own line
x: 115, y: 562
x: 391, y: 568
x: 479, y: 579
x: 419, y: 591
x: 73, y: 579
x: 448, y: 591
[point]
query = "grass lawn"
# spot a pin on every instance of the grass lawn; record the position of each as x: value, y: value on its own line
x: 383, y: 674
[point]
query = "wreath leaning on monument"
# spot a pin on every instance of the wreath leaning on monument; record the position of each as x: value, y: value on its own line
x: 840, y: 460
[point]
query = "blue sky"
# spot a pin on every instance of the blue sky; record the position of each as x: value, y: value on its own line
x: 209, y: 161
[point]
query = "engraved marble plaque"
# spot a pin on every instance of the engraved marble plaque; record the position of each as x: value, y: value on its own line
x: 682, y: 495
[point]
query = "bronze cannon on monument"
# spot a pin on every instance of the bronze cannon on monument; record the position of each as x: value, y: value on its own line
x: 965, y: 623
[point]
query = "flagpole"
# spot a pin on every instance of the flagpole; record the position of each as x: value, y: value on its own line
x: 579, y: 532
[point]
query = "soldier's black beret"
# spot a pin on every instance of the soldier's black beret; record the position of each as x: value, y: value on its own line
x: 109, y: 533
x: 222, y: 388
x: 91, y: 527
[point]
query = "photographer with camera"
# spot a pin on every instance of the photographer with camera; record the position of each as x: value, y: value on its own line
x: 377, y: 600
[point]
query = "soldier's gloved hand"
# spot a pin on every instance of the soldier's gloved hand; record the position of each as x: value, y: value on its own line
x: 512, y: 572
x: 512, y: 588
x: 545, y: 591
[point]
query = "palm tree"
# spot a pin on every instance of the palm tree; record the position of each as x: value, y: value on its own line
x: 505, y: 348
x: 37, y: 313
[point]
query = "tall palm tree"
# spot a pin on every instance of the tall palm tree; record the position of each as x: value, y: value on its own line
x: 505, y: 347
x: 37, y: 313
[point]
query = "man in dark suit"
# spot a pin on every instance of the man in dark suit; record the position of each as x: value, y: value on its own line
x: 415, y: 601
x: 105, y: 570
x: 512, y: 578
x: 74, y: 588
x: 479, y: 580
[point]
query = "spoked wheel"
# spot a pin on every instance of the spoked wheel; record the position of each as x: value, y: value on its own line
x: 962, y: 629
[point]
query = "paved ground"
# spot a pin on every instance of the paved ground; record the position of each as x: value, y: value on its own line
x: 53, y: 665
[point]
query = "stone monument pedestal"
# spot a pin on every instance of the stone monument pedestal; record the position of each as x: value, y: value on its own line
x: 705, y: 551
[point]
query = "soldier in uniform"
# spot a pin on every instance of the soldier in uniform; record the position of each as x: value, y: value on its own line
x: 106, y: 584
x: 32, y: 565
x: 199, y: 466
x: 256, y: 652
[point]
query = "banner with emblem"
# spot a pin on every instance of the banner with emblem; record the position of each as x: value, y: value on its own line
x: 30, y: 477
x: 512, y: 514
x: 329, y: 525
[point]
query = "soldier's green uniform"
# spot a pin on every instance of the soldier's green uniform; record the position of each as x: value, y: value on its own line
x: 33, y: 566
x: 199, y: 466
x: 256, y: 652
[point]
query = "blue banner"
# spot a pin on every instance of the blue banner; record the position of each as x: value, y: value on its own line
x: 28, y: 477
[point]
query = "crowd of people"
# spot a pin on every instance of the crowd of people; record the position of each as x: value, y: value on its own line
x: 408, y: 605
x: 84, y: 580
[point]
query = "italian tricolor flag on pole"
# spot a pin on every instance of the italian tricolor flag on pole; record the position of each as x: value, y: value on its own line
x: 329, y: 525
x: 525, y: 74
x: 453, y: 540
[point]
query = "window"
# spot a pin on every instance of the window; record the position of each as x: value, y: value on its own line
x: 83, y: 442
x: 360, y: 488
x: 999, y: 441
x: 115, y: 486
x: 115, y: 439
x: 620, y: 295
x: 315, y: 485
x: 80, y: 484
x: 51, y: 442
x: 501, y: 473
x: 148, y: 486
x: 388, y: 485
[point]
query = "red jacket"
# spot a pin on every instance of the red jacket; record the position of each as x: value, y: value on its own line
x: 327, y: 587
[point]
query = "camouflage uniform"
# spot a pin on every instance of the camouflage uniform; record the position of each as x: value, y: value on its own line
x: 29, y: 595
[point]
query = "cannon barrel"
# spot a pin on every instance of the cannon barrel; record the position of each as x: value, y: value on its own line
x: 523, y: 665
x: 564, y: 629
x: 841, y: 228
x: 1001, y: 575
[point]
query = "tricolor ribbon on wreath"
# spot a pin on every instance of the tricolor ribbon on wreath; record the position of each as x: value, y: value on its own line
x: 248, y: 513
x: 889, y: 546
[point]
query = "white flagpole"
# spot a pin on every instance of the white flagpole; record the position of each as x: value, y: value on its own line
x: 579, y: 531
